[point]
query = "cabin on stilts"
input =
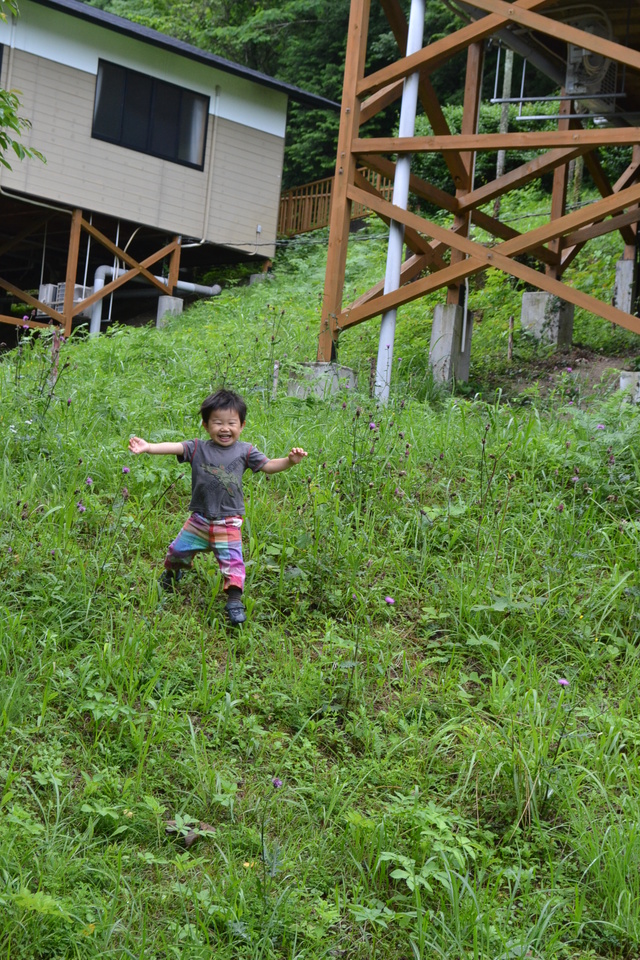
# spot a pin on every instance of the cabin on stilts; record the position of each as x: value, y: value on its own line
x: 161, y: 160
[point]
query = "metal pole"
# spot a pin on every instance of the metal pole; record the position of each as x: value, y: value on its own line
x: 400, y: 197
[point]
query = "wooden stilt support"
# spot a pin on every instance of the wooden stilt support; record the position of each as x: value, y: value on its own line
x: 344, y: 176
x: 72, y: 270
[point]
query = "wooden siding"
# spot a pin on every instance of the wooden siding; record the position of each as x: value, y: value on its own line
x: 245, y: 188
x: 99, y: 176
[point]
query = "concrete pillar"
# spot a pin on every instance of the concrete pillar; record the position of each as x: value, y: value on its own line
x: 320, y: 380
x: 449, y: 356
x: 624, y: 292
x: 168, y: 307
x: 630, y: 383
x: 547, y: 317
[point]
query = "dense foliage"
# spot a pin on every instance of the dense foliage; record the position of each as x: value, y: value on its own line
x: 424, y: 741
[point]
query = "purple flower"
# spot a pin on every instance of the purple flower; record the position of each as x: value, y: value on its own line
x: 68, y: 401
x: 126, y: 470
x: 569, y: 369
x: 560, y: 508
x: 125, y: 493
x: 389, y: 600
x: 25, y: 317
x: 344, y: 406
x: 53, y: 553
x: 563, y: 682
x: 277, y: 783
x: 372, y: 425
x: 25, y: 326
x: 355, y: 597
x: 574, y: 479
x: 601, y: 426
x: 10, y: 549
x: 81, y: 507
x: 89, y: 481
x: 570, y: 403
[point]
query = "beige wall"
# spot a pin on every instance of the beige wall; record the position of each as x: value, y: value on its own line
x: 223, y: 203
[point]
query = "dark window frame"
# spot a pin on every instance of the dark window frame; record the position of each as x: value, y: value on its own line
x: 157, y: 84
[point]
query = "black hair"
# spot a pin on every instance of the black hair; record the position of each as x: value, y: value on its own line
x: 223, y: 400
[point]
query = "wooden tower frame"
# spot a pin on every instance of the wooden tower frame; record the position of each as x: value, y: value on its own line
x: 441, y: 257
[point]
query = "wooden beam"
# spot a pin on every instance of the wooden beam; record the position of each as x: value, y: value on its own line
x: 536, y: 140
x: 344, y: 175
x: 411, y: 268
x: 603, y: 226
x: 441, y: 50
x: 605, y: 189
x: 174, y: 265
x: 378, y: 101
x: 526, y: 172
x: 559, y: 189
x: 514, y: 13
x: 72, y: 269
x: 470, y: 112
x: 27, y: 298
x: 19, y: 322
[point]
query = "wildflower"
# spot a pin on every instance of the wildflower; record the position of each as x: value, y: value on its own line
x: 569, y: 369
x: 25, y: 317
x: 10, y: 549
x: 277, y: 783
x: 600, y: 426
x: 126, y: 470
x: 563, y: 682
x: 398, y: 492
x: 25, y: 326
x: 372, y: 425
x: 53, y: 553
x: 354, y: 596
x: 81, y: 507
x: 570, y: 403
x: 344, y: 406
x: 125, y: 493
x: 389, y: 600
x: 68, y: 401
x: 401, y: 435
x: 89, y: 481
x: 574, y: 479
x: 560, y: 508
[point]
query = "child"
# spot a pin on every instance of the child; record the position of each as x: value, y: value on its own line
x: 217, y: 504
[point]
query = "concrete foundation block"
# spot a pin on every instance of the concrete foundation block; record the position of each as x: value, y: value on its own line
x: 168, y: 307
x: 450, y: 349
x: 630, y: 383
x: 547, y: 317
x: 624, y: 292
x: 320, y: 380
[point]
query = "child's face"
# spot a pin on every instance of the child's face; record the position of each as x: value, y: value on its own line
x: 224, y: 427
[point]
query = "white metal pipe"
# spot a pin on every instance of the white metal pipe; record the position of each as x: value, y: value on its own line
x: 400, y: 198
x: 107, y: 270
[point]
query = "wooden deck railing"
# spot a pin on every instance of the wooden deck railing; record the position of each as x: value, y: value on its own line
x: 306, y: 208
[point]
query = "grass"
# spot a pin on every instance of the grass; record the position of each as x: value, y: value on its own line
x: 443, y: 795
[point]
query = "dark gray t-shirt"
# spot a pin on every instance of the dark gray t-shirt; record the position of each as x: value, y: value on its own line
x: 216, y: 475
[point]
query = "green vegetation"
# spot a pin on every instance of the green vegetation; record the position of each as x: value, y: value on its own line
x: 417, y: 590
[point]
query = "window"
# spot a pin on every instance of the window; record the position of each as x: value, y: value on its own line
x: 150, y: 115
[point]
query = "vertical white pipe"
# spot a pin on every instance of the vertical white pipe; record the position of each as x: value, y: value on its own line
x: 400, y: 198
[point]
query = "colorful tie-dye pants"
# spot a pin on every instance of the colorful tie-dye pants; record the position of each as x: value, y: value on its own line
x: 223, y: 536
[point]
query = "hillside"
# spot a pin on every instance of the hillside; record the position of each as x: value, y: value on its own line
x: 423, y: 743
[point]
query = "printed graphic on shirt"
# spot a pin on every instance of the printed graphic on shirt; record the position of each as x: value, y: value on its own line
x: 225, y: 476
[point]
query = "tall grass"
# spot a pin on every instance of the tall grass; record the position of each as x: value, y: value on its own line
x: 416, y: 589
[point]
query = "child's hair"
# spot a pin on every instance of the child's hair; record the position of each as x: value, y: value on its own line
x: 223, y: 400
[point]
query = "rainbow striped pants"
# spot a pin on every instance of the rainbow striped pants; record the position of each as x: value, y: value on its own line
x: 223, y: 536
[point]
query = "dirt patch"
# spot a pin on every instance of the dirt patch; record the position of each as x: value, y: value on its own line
x: 574, y: 371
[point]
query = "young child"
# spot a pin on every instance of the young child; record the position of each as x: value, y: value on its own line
x: 217, y: 504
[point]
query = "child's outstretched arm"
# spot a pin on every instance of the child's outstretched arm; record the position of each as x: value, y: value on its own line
x: 283, y: 463
x: 138, y: 445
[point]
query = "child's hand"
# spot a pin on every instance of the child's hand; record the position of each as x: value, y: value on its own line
x: 138, y: 445
x: 296, y: 455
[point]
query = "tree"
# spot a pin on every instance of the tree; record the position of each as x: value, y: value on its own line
x: 11, y: 124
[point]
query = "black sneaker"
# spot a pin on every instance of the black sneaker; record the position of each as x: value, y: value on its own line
x: 235, y: 612
x: 169, y: 579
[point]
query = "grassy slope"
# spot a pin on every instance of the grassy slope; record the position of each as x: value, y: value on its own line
x: 443, y: 795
